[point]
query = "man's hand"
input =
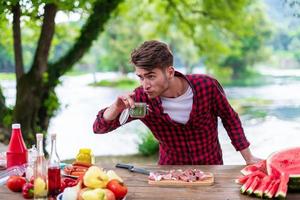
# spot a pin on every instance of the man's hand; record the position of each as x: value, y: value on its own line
x: 253, y: 160
x: 122, y: 102
x: 249, y: 158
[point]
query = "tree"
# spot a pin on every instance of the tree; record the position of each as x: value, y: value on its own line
x: 210, y: 26
x: 248, y: 50
x: 36, y: 101
x: 200, y: 30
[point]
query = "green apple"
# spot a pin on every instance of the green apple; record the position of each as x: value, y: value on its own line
x: 95, y: 194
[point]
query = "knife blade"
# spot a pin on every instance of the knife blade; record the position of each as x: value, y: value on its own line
x: 132, y: 168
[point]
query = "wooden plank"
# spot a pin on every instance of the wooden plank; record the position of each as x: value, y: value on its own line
x: 205, y: 182
x: 224, y: 187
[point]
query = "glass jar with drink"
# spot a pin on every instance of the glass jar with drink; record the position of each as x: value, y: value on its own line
x: 54, y: 181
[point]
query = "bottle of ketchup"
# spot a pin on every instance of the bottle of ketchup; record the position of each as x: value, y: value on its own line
x: 17, y: 152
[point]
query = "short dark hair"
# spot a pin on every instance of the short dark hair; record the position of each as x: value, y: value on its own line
x: 152, y: 54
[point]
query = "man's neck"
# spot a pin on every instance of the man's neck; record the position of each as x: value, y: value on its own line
x: 177, y: 87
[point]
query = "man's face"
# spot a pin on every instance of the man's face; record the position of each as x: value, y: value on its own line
x: 154, y: 82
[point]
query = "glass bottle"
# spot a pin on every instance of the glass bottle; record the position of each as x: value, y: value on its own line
x: 53, y: 170
x: 85, y: 155
x: 32, y: 153
x: 40, y: 170
x: 17, y: 152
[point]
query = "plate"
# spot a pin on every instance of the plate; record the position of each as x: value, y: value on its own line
x: 67, y: 175
x: 59, y: 197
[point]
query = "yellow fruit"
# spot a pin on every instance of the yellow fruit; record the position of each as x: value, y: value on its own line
x: 113, y: 175
x: 95, y: 178
x: 40, y: 187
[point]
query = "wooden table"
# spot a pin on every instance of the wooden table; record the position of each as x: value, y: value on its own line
x: 138, y: 188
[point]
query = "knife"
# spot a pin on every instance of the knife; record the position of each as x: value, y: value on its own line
x: 133, y: 168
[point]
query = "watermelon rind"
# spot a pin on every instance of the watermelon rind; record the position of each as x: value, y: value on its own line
x: 294, y: 183
x: 280, y: 195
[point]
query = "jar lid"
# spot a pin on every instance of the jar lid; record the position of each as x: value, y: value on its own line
x: 124, y: 116
x: 85, y: 150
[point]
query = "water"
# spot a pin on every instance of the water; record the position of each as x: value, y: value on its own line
x: 277, y: 129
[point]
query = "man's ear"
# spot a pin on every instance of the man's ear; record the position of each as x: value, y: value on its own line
x: 170, y: 72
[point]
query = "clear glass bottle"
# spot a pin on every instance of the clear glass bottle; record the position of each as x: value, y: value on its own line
x: 54, y: 182
x: 40, y: 171
x: 32, y: 153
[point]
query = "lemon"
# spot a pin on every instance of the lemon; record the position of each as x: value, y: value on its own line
x: 40, y: 187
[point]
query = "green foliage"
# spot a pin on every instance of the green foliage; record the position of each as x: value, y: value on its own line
x: 122, y: 83
x: 7, y: 76
x: 148, y: 145
x: 5, y: 112
x: 52, y: 104
x: 197, y: 31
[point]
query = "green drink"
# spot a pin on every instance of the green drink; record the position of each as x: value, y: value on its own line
x: 139, y: 111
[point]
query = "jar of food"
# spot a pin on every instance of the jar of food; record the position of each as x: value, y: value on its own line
x: 85, y: 155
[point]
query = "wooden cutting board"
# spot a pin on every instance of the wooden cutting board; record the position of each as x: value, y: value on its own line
x: 205, y: 182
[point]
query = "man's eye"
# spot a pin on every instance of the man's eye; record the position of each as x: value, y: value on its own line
x: 141, y: 78
x: 151, y: 77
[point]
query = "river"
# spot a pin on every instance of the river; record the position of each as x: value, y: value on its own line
x: 278, y: 128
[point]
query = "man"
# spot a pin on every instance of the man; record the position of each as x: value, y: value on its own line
x: 183, y: 110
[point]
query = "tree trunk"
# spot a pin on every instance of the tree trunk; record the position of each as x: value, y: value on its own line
x: 30, y: 86
x: 19, y: 68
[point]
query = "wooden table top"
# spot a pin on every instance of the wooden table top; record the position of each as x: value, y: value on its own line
x: 138, y: 188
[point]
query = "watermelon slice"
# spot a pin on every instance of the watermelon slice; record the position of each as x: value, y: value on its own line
x: 260, y: 166
x: 271, y: 193
x: 269, y: 187
x: 247, y: 184
x: 243, y: 179
x: 264, y: 184
x: 287, y: 162
x: 282, y: 188
x: 253, y: 185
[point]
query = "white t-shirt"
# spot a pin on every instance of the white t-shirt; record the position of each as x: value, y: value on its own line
x: 179, y: 108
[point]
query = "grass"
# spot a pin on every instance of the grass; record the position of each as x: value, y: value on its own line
x: 7, y: 76
x: 122, y: 83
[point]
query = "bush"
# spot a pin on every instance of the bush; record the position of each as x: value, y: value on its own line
x: 148, y: 145
x: 122, y: 83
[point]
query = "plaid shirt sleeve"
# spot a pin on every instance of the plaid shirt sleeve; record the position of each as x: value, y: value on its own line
x: 229, y: 117
x: 102, y: 126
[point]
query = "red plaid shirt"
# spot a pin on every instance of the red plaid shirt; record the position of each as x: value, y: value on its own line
x: 193, y: 143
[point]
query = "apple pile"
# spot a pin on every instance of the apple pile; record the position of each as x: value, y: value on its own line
x: 97, y: 184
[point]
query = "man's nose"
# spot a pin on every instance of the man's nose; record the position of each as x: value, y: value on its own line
x: 146, y: 84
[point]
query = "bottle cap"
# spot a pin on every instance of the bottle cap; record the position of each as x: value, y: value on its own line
x: 53, y: 135
x: 39, y: 136
x: 16, y: 126
x: 124, y: 116
x: 85, y: 150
